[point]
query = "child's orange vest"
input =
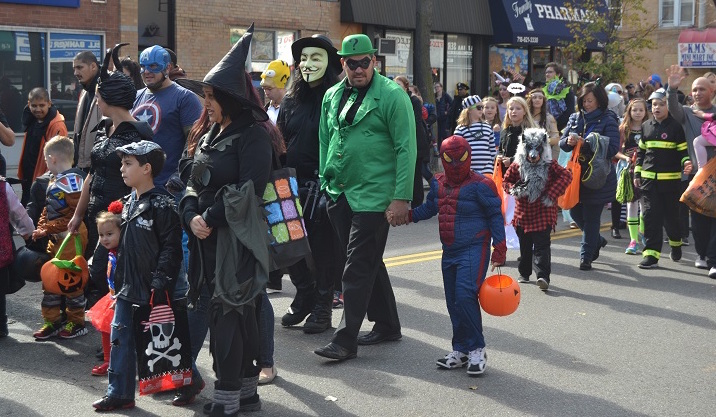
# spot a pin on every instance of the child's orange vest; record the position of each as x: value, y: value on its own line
x: 55, y: 127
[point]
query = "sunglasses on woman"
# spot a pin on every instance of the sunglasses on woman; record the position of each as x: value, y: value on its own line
x: 477, y: 106
x: 353, y: 64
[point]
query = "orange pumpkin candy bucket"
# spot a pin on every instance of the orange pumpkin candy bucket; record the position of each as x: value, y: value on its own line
x: 64, y: 277
x: 499, y: 295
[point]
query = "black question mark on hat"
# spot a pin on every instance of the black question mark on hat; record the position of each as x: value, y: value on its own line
x: 355, y: 42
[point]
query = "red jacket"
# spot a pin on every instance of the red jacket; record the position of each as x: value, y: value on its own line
x: 535, y: 216
x: 55, y: 127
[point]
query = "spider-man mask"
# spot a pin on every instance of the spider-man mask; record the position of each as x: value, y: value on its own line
x: 455, y: 154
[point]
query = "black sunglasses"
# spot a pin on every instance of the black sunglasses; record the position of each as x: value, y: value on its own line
x: 363, y: 63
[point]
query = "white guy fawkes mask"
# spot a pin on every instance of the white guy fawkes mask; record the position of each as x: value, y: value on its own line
x: 314, y: 62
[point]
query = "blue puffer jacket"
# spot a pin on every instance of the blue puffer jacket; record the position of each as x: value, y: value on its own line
x: 606, y: 123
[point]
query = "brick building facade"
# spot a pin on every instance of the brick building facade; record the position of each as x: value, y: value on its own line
x: 666, y: 36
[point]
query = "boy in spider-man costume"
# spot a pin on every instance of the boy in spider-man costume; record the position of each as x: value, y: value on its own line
x: 470, y: 215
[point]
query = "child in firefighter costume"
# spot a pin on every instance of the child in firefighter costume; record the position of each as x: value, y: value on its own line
x: 470, y: 216
x: 536, y: 181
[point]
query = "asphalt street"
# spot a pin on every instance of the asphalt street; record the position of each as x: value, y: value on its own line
x: 614, y: 341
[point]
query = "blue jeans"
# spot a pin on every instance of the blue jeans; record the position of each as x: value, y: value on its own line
x: 198, y: 328
x: 182, y: 285
x: 588, y: 217
x: 266, y: 327
x: 123, y: 355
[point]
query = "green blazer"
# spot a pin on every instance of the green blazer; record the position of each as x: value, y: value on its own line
x: 371, y: 161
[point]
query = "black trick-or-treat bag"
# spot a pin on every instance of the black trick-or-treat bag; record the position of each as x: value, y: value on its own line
x: 163, y: 348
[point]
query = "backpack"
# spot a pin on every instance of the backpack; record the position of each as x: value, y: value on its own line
x: 596, y: 169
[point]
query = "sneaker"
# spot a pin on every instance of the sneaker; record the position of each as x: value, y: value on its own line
x: 573, y: 225
x: 701, y: 263
x: 101, y: 370
x: 675, y: 254
x: 72, y: 330
x: 712, y: 272
x: 337, y: 299
x: 478, y: 361
x: 543, y: 284
x: 107, y: 403
x: 523, y: 280
x: 633, y: 248
x: 685, y: 241
x: 642, y: 239
x: 649, y: 262
x: 453, y: 360
x: 47, y: 330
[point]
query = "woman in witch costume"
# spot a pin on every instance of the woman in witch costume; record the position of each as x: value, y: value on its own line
x: 228, y: 235
x: 104, y: 184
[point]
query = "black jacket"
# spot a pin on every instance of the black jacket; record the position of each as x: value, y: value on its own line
x: 661, y: 155
x: 150, y: 250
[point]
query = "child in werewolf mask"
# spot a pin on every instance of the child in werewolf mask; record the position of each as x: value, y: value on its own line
x: 536, y: 181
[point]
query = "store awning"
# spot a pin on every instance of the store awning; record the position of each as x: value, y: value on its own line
x: 697, y: 48
x: 471, y: 17
x: 524, y: 22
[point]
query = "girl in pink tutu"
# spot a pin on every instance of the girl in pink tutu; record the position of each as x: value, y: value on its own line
x: 101, y: 314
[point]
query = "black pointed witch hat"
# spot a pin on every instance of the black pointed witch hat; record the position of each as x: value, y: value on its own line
x: 228, y: 76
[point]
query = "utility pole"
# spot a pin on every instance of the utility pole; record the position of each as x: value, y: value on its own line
x: 422, y: 73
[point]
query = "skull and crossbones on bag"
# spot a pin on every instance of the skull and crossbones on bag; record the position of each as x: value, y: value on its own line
x: 161, y: 325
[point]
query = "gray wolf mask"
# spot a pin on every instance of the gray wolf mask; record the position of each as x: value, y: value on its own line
x: 533, y: 156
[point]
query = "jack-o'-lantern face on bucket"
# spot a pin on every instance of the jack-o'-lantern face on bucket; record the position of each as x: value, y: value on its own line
x: 64, y: 277
x: 70, y: 281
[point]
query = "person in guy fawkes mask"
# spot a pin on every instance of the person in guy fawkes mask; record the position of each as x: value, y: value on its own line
x: 319, y: 66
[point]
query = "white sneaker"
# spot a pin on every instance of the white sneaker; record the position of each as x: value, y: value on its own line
x: 477, y: 361
x: 453, y: 360
x: 701, y: 263
x: 712, y: 273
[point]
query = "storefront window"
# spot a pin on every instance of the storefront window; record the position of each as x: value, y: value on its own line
x: 507, y: 61
x: 266, y: 46
x: 459, y: 62
x: 540, y: 58
x: 23, y: 66
x: 437, y: 51
x: 401, y: 63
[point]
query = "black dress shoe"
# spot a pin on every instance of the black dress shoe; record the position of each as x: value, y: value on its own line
x: 292, y: 318
x: 616, y: 234
x: 187, y: 395
x: 376, y: 337
x: 585, y: 265
x: 335, y: 351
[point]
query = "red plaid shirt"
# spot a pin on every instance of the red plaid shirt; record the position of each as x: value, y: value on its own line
x: 535, y: 217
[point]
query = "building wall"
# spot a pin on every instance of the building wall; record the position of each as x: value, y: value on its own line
x: 89, y: 16
x: 202, y: 28
x: 666, y: 39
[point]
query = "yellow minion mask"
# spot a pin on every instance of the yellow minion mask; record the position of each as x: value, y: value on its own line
x: 276, y: 74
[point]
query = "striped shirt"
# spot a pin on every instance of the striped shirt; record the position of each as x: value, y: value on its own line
x: 481, y: 139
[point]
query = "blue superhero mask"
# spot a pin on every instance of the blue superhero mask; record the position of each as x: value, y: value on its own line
x: 154, y: 59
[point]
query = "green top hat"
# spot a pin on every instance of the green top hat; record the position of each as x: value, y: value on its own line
x: 358, y: 44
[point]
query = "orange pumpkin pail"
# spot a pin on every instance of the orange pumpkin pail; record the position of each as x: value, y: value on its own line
x: 64, y: 277
x: 499, y: 295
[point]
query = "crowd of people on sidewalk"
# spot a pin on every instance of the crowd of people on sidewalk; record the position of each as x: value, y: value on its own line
x: 165, y: 182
